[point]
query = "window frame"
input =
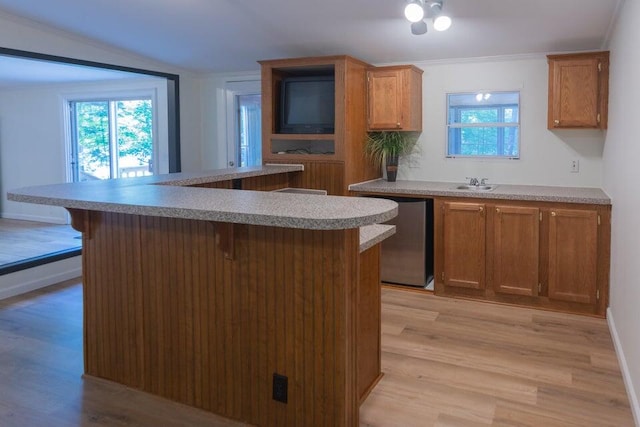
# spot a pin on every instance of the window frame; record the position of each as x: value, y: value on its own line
x: 500, y: 126
x: 113, y: 134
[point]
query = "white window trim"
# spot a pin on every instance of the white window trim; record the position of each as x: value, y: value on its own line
x: 120, y: 91
x: 460, y: 125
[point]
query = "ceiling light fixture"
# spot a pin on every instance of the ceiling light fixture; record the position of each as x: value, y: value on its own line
x: 418, y: 28
x: 441, y: 22
x: 415, y: 12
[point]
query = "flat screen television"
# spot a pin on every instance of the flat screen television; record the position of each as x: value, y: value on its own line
x: 307, y: 104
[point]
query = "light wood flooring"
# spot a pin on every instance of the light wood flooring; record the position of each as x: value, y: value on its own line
x: 21, y: 240
x: 447, y: 363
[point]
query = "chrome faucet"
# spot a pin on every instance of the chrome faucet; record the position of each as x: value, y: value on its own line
x: 477, y: 182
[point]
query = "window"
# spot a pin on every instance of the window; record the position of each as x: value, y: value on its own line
x: 111, y: 138
x: 483, y: 125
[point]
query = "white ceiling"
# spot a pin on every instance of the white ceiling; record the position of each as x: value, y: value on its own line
x: 231, y: 35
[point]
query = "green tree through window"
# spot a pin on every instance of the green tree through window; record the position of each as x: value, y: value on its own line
x: 483, y: 125
x: 113, y: 138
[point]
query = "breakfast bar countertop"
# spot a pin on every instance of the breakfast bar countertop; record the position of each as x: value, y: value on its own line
x: 175, y: 199
x: 373, y: 234
x: 501, y: 191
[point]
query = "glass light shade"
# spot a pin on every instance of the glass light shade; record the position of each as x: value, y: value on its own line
x: 414, y: 12
x: 441, y: 23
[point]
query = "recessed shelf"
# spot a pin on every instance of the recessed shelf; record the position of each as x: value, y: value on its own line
x: 302, y: 136
x: 303, y: 146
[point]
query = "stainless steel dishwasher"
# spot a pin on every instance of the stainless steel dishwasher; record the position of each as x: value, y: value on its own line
x: 407, y: 256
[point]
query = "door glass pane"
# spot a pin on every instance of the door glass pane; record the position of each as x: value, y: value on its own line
x: 92, y: 136
x: 134, y: 138
x: 249, y: 130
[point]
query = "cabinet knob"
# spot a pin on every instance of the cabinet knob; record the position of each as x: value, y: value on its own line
x: 481, y: 209
x: 553, y: 214
x: 497, y: 210
x: 556, y: 122
x: 398, y: 125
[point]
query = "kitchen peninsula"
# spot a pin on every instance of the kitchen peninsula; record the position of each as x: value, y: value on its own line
x: 210, y: 290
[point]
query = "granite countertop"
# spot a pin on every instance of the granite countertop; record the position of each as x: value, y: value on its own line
x: 502, y: 191
x: 373, y: 234
x: 140, y: 197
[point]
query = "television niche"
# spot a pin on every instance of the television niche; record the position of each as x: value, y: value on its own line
x: 307, y: 105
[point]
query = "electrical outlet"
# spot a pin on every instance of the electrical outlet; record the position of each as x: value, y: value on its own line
x: 280, y: 388
x: 575, y: 165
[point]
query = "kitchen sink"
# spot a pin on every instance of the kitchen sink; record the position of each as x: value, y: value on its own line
x: 476, y: 187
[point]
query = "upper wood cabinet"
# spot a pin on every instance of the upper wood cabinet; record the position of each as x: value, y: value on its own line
x: 395, y: 98
x: 578, y: 90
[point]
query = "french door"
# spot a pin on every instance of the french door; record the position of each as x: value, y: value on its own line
x: 111, y: 138
x: 249, y: 128
x: 244, y: 124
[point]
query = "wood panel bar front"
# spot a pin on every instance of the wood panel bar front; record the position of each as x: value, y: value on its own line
x: 167, y: 313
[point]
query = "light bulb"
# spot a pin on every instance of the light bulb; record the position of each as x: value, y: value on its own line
x: 441, y: 23
x: 414, y: 12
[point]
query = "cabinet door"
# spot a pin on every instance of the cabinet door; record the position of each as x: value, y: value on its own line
x: 574, y: 93
x: 385, y: 99
x: 573, y: 255
x: 516, y: 250
x: 464, y: 245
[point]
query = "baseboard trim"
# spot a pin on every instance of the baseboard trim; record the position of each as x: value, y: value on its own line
x: 39, y: 277
x: 25, y: 264
x: 35, y: 218
x: 624, y: 367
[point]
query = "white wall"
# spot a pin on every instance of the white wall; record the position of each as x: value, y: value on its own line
x: 19, y: 33
x: 545, y: 155
x: 32, y: 137
x: 621, y: 175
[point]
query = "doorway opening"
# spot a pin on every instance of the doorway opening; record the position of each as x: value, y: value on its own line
x: 39, y: 93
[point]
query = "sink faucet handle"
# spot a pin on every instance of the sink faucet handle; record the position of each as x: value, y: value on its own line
x: 483, y: 181
x: 472, y: 181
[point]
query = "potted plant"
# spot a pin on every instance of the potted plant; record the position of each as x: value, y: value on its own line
x: 386, y: 146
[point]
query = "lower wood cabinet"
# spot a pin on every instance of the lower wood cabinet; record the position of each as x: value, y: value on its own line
x: 464, y: 245
x: 538, y: 254
x: 516, y: 259
x: 573, y: 255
